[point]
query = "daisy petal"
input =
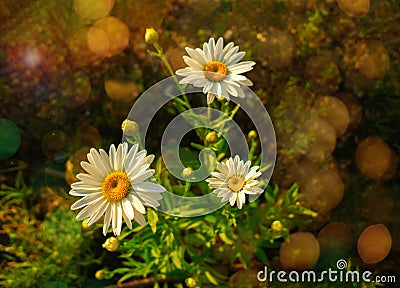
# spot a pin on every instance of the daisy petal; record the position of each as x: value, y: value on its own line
x: 231, y: 90
x: 232, y: 199
x: 127, y: 220
x: 148, y: 187
x: 127, y: 207
x: 242, y: 67
x: 89, y: 179
x: 103, y: 207
x: 218, y: 49
x: 150, y: 200
x: 88, y: 210
x: 92, y: 170
x: 87, y: 200
x: 141, y: 177
x: 235, y: 58
x: 139, y: 218
x: 107, y: 220
x: 241, y: 199
x: 137, y: 204
x: 210, y: 98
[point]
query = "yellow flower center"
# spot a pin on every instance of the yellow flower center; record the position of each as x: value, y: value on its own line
x: 236, y: 183
x: 215, y: 71
x: 115, y: 186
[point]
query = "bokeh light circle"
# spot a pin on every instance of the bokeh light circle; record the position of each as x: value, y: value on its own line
x: 10, y: 138
x: 299, y: 171
x: 372, y: 59
x: 319, y: 137
x: 324, y: 190
x: 75, y: 90
x: 373, y: 157
x: 98, y: 41
x: 353, y: 107
x: 118, y: 34
x: 55, y: 144
x: 335, y: 237
x: 29, y: 57
x: 374, y: 243
x: 79, y: 49
x: 334, y: 111
x: 93, y: 9
x: 323, y: 74
x: 300, y: 251
x: 277, y: 46
x: 122, y: 91
x: 72, y: 165
x: 354, y: 8
x: 87, y: 135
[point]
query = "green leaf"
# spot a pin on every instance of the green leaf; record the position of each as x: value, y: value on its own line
x: 197, y: 146
x: 210, y: 219
x: 176, y: 260
x: 152, y: 218
x: 196, y: 239
x: 261, y: 255
x: 211, y: 278
x: 226, y: 239
x: 127, y: 276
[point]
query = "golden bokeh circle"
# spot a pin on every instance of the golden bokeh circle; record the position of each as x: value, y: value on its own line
x: 324, y: 190
x: 93, y: 9
x: 323, y: 74
x: 54, y: 142
x: 335, y: 236
x: 98, y: 41
x: 334, y: 111
x: 118, y: 34
x: 122, y: 91
x: 300, y: 251
x: 319, y: 138
x: 374, y: 243
x: 354, y: 8
x: 353, y: 107
x: 372, y: 59
x: 373, y: 157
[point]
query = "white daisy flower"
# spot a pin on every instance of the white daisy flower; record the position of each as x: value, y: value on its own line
x: 115, y: 187
x: 216, y: 69
x: 235, y: 180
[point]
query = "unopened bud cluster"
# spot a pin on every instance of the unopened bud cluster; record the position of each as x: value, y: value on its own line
x: 111, y: 244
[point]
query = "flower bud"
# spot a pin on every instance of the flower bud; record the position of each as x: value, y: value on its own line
x: 212, y: 137
x: 220, y: 99
x: 252, y: 134
x: 191, y: 282
x: 129, y: 127
x: 187, y: 172
x: 99, y: 275
x: 151, y: 36
x: 111, y: 244
x: 85, y: 225
x: 277, y: 226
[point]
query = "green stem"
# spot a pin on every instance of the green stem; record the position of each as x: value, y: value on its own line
x: 234, y: 111
x: 11, y: 169
x: 170, y: 70
x: 187, y: 188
